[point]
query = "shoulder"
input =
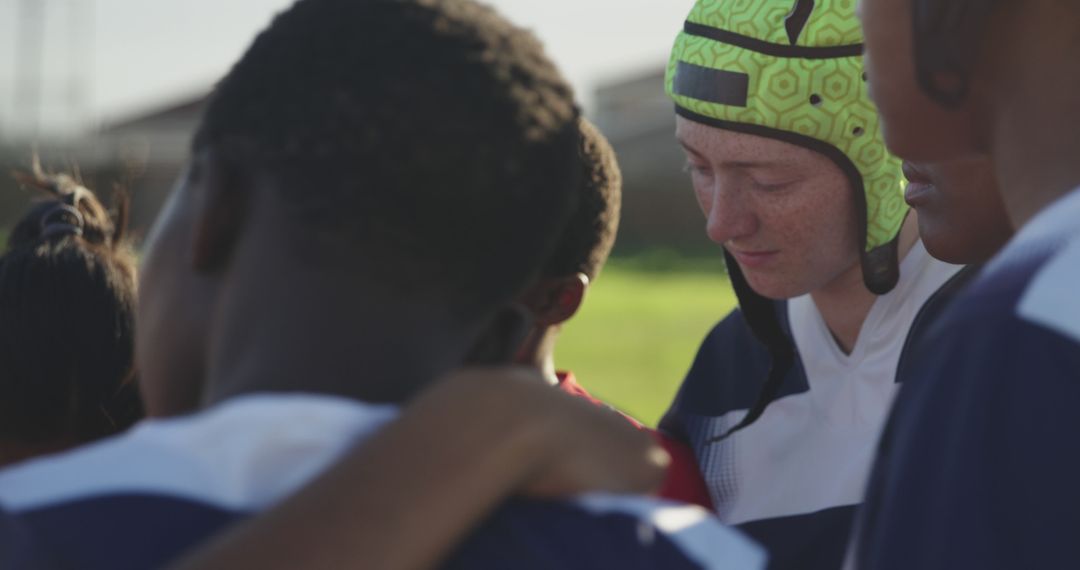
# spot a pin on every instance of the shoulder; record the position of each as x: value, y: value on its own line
x: 729, y: 368
x: 1050, y: 299
x: 1004, y: 352
x: 604, y: 531
x: 731, y: 336
x: 134, y: 530
x: 18, y: 546
x: 151, y: 492
x: 999, y: 344
x: 927, y: 316
x: 1030, y: 279
x: 217, y: 456
x: 683, y: 482
x: 1027, y: 307
x: 734, y: 328
x: 996, y: 395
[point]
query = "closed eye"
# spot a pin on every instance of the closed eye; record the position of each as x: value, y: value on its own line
x: 692, y: 169
x: 770, y: 186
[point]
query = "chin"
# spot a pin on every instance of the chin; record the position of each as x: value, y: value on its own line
x: 943, y: 245
x: 773, y: 287
x: 942, y: 250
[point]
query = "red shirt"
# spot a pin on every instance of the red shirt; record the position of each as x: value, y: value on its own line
x: 683, y: 481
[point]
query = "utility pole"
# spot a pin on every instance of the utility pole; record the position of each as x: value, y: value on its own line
x: 81, y: 21
x: 28, y: 54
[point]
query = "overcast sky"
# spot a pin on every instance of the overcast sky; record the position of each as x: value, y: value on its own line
x: 105, y: 59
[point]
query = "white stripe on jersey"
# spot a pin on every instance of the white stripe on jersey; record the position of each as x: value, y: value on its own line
x: 241, y: 455
x: 249, y: 452
x: 813, y: 450
x: 1051, y: 298
x: 700, y: 535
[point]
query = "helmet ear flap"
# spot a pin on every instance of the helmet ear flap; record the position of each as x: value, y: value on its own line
x: 947, y: 37
x: 881, y: 267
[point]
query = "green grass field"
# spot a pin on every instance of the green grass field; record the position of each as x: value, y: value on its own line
x: 638, y: 331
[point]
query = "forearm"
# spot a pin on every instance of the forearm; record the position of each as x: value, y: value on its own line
x: 406, y: 497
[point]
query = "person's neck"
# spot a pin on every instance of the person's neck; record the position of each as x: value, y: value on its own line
x: 538, y: 351
x: 845, y: 302
x: 12, y: 452
x: 1036, y: 156
x: 1034, y: 140
x: 297, y: 339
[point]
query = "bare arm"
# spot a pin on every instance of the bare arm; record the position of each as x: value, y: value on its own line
x: 406, y: 497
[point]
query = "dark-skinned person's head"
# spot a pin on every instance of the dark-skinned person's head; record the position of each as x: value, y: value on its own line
x: 585, y: 243
x: 939, y: 72
x: 387, y: 176
x: 963, y: 78
x: 67, y: 322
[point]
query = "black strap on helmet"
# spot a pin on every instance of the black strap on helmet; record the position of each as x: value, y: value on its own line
x: 760, y: 315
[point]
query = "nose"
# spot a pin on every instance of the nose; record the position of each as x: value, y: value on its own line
x: 728, y: 215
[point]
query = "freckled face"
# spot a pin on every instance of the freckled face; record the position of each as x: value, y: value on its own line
x: 784, y: 212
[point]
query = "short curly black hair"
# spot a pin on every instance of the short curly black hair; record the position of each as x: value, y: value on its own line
x: 430, y: 138
x: 589, y: 236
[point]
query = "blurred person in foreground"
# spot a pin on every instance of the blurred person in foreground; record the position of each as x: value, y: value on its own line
x: 522, y: 459
x: 329, y: 252
x: 67, y: 322
x: 962, y: 220
x: 974, y: 474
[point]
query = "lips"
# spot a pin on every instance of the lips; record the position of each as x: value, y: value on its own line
x: 753, y: 259
x: 919, y: 187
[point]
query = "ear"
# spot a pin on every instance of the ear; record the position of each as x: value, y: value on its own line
x: 553, y: 300
x: 223, y: 194
x: 501, y: 338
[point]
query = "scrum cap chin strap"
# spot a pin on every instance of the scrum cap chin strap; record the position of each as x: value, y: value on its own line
x: 760, y: 315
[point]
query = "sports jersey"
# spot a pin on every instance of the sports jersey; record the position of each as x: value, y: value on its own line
x: 793, y: 479
x: 683, y: 481
x: 977, y: 468
x: 18, y: 549
x: 140, y: 499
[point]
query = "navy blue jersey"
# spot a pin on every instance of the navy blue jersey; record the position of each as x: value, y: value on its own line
x: 139, y: 531
x: 18, y: 548
x: 142, y: 499
x: 977, y: 468
x: 816, y: 539
x: 794, y: 479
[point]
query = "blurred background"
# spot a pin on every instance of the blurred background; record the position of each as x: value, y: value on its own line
x: 114, y: 89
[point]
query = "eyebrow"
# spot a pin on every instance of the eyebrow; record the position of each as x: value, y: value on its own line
x: 743, y: 164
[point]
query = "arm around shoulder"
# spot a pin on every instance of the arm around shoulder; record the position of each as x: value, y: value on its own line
x: 405, y: 498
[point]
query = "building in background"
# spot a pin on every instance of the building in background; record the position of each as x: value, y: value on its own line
x: 659, y: 209
x: 146, y: 153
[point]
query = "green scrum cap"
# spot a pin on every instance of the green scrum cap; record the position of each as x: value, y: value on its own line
x: 792, y: 70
